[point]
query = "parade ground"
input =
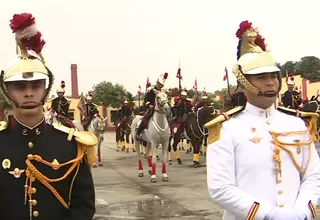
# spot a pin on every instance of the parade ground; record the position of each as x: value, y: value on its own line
x: 121, y: 194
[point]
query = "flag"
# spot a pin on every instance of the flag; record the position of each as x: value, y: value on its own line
x: 123, y: 89
x: 204, y: 91
x: 195, y: 86
x: 225, y: 77
x: 179, y: 76
x: 148, y: 83
x: 139, y: 90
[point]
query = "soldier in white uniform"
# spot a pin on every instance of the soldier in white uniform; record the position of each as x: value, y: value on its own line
x: 261, y: 162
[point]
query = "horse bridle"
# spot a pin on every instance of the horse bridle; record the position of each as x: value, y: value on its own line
x: 160, y: 105
x: 202, y: 130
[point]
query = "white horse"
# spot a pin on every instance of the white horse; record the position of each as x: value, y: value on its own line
x: 51, y: 117
x: 97, y: 126
x: 157, y: 133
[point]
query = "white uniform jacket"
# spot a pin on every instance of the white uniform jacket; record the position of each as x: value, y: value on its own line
x: 241, y: 169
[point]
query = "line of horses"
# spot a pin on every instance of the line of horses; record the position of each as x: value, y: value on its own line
x: 161, y: 131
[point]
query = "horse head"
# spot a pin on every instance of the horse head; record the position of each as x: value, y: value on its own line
x: 206, y: 114
x: 162, y: 102
x: 98, y: 123
x: 50, y: 116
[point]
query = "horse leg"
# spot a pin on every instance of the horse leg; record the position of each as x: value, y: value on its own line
x: 154, y: 162
x: 123, y: 144
x: 132, y: 144
x: 140, y: 165
x: 169, y: 150
x: 117, y: 138
x: 201, y: 147
x: 188, y: 147
x: 176, y: 141
x: 205, y: 144
x: 127, y: 142
x: 182, y: 144
x: 165, y: 177
x: 94, y: 165
x: 196, y: 150
x: 149, y: 158
x: 99, y: 153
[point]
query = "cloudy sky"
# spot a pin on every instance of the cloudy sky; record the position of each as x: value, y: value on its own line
x: 126, y: 41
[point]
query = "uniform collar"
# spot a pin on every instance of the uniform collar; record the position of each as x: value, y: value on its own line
x: 25, y: 130
x: 254, y: 110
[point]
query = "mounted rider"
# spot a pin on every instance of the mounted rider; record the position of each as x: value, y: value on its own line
x: 91, y: 110
x: 60, y: 104
x: 174, y: 108
x: 291, y: 98
x: 184, y: 108
x: 149, y: 102
x: 126, y: 112
x: 203, y: 102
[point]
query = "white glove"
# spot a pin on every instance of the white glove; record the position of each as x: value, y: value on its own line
x: 285, y: 214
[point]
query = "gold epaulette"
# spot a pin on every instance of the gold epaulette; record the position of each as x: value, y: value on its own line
x: 85, y: 141
x: 310, y: 117
x: 3, y: 125
x: 83, y: 137
x: 214, y: 125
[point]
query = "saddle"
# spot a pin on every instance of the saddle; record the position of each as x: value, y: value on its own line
x: 65, y: 121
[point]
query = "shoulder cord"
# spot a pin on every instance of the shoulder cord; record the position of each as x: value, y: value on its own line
x: 32, y: 173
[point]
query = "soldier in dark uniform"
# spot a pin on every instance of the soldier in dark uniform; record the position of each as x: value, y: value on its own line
x: 184, y: 108
x: 291, y: 98
x: 238, y: 98
x: 90, y: 109
x: 126, y: 111
x: 61, y: 104
x: 44, y: 174
x: 149, y: 102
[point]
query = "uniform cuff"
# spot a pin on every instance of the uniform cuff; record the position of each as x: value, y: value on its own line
x: 312, y: 209
x: 253, y: 211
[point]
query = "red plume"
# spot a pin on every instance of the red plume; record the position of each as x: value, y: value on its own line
x: 165, y: 76
x: 148, y: 84
x: 243, y: 27
x: 23, y: 25
x: 63, y: 84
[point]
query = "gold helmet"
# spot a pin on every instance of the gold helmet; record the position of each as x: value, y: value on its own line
x: 29, y: 65
x: 290, y: 80
x: 253, y: 58
x: 62, y: 86
x: 126, y: 101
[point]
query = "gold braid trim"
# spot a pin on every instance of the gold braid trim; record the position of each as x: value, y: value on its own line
x: 282, y: 145
x: 32, y: 173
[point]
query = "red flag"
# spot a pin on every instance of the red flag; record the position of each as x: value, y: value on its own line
x: 204, y: 91
x: 139, y: 91
x: 195, y: 85
x: 179, y: 76
x: 148, y: 83
x: 123, y: 89
x: 225, y: 77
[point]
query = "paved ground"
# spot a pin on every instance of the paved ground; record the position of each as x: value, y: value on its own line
x: 121, y: 194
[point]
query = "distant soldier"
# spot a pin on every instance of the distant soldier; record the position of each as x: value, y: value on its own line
x: 61, y: 104
x: 291, y: 98
x: 90, y: 110
x: 238, y: 98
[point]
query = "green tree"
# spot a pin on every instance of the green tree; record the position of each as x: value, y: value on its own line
x: 309, y: 68
x: 109, y: 95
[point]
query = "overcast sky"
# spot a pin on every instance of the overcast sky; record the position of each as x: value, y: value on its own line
x: 126, y: 41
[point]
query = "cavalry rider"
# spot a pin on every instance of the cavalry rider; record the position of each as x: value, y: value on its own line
x: 44, y: 173
x: 149, y: 102
x: 203, y: 102
x: 126, y: 111
x: 60, y: 104
x: 174, y: 108
x: 261, y: 161
x: 291, y: 98
x: 238, y: 98
x: 90, y: 109
x: 184, y: 108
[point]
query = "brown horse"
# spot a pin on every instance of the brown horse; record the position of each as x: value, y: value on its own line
x: 194, y: 132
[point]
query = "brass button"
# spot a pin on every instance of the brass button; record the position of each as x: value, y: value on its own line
x: 279, y: 181
x: 280, y: 192
x: 34, y: 190
x: 35, y: 213
x: 34, y: 202
x: 30, y: 145
x: 281, y: 205
x: 30, y: 156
